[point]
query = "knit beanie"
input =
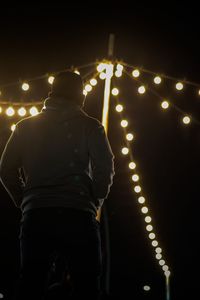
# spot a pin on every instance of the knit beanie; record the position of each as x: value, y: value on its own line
x: 68, y: 85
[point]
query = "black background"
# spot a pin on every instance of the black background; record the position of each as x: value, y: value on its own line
x: 35, y: 40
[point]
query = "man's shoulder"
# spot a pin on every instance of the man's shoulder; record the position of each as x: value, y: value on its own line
x: 91, y: 121
x: 28, y: 120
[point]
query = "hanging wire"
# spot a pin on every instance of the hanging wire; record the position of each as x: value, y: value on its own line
x: 162, y: 75
x: 47, y: 74
x: 155, y: 93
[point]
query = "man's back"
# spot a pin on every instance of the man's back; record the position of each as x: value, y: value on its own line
x: 62, y: 152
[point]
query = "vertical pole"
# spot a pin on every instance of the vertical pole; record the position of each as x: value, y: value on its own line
x: 109, y: 73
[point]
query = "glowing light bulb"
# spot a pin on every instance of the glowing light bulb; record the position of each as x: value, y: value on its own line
x: 186, y: 120
x: 115, y: 91
x: 120, y: 67
x: 141, y: 199
x: 101, y: 67
x: 161, y: 262
x: 25, y: 86
x: 124, y: 123
x: 34, y: 111
x: 118, y: 73
x: 0, y: 109
x: 132, y: 165
x: 137, y: 189
x: 93, y: 82
x: 157, y: 80
x: 51, y: 79
x: 88, y: 87
x: 102, y: 75
x: 21, y: 111
x: 198, y: 92
x: 141, y: 89
x: 165, y: 104
x: 179, y: 86
x: 119, y: 108
x: 136, y: 73
x: 85, y: 92
x: 147, y: 219
x: 154, y: 243
x: 152, y: 235
x: 158, y: 256
x: 135, y: 177
x: 165, y: 268
x: 144, y: 210
x: 13, y: 127
x: 149, y: 227
x: 77, y: 71
x: 10, y: 111
x: 129, y: 136
x: 125, y: 150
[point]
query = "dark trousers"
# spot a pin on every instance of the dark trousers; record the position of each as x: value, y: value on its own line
x: 58, y: 234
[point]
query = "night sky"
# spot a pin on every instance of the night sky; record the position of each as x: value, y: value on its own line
x: 38, y: 40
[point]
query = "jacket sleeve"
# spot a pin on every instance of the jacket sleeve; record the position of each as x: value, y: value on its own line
x: 10, y: 165
x: 102, y: 163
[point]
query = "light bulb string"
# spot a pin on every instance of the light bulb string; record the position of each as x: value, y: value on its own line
x: 155, y: 93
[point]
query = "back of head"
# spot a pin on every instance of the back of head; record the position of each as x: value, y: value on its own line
x: 69, y: 86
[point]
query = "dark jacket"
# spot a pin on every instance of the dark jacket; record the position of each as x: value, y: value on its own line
x: 61, y: 157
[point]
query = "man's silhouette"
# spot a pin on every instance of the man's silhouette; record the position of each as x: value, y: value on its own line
x: 58, y: 168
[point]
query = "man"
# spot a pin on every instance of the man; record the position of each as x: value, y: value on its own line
x: 58, y: 168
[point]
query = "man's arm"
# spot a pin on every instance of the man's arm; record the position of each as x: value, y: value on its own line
x: 102, y: 163
x: 10, y: 165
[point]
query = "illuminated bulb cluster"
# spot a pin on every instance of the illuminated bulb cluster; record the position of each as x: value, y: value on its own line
x: 89, y: 86
x: 119, y: 70
x: 140, y: 198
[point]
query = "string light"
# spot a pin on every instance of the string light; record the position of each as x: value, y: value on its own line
x: 136, y: 73
x: 93, y: 81
x: 34, y: 111
x: 132, y: 165
x: 165, y: 104
x: 124, y: 123
x: 179, y: 86
x: 102, y: 75
x: 13, y: 126
x: 25, y: 86
x: 51, y: 79
x: 157, y: 80
x: 137, y: 189
x: 119, y: 108
x: 141, y: 89
x: 88, y: 87
x: 115, y: 91
x: 10, y: 111
x: 129, y: 136
x: 141, y: 199
x: 21, y: 111
x: 77, y: 71
x: 186, y: 120
x: 135, y: 177
x: 125, y: 150
x: 1, y: 110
